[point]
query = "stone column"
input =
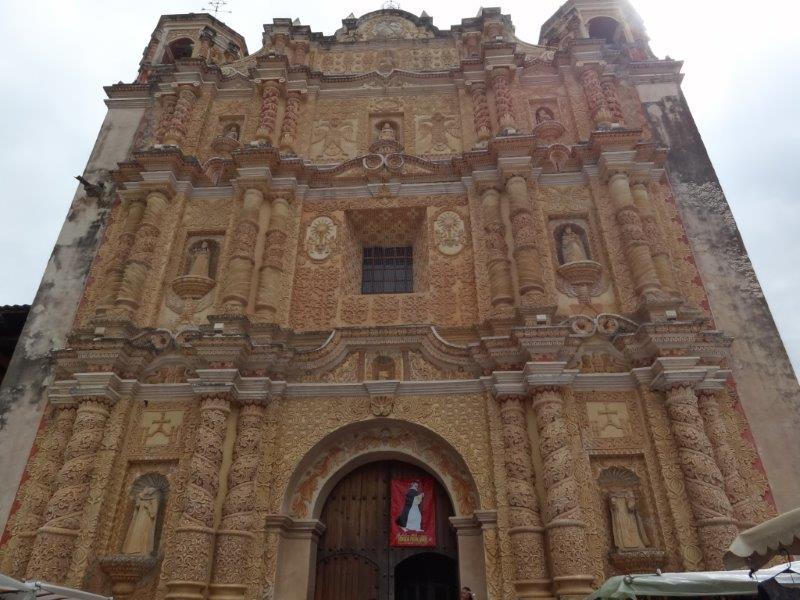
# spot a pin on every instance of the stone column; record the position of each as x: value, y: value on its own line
x: 268, y: 113
x: 502, y: 100
x: 566, y: 530
x: 290, y: 117
x: 179, y: 124
x: 526, y: 254
x: 531, y: 578
x: 55, y: 540
x: 238, y: 527
x: 499, y: 265
x: 480, y: 111
x: 713, y: 514
x: 240, y: 265
x: 130, y: 225
x: 167, y: 102
x: 37, y: 489
x: 471, y: 560
x: 609, y: 88
x: 637, y: 250
x: 193, y: 543
x: 655, y: 237
x: 269, y: 284
x: 735, y: 486
x: 141, y: 256
x: 595, y: 97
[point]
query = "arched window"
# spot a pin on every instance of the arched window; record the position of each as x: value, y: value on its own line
x: 605, y: 28
x: 178, y: 49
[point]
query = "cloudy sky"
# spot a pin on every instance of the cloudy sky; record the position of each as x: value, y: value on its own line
x: 742, y: 81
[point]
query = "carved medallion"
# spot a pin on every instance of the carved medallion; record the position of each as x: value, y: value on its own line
x: 448, y: 230
x: 320, y: 236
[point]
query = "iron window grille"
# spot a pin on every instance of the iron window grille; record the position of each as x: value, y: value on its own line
x: 387, y: 271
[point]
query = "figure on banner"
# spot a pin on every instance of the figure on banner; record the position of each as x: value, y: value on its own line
x: 411, y: 517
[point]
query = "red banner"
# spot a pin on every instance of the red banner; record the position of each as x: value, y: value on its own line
x: 413, y: 512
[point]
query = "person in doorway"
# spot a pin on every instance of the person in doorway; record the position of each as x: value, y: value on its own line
x: 466, y: 594
x: 410, y: 519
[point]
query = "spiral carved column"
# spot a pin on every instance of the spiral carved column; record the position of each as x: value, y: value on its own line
x: 711, y: 508
x: 595, y: 97
x: 609, y: 88
x: 179, y: 124
x: 637, y: 249
x: 498, y: 263
x: 502, y: 100
x: 193, y: 544
x: 735, y: 486
x: 133, y: 217
x: 167, y: 102
x: 37, y: 489
x: 290, y: 118
x: 240, y: 265
x: 531, y: 579
x: 269, y: 285
x: 142, y: 252
x: 653, y: 233
x: 480, y: 111
x: 268, y: 114
x: 55, y: 540
x: 238, y: 526
x: 526, y: 254
x: 566, y: 531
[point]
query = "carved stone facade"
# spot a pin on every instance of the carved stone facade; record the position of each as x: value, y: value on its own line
x: 553, y: 362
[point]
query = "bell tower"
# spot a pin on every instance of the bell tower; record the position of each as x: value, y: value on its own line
x: 613, y: 21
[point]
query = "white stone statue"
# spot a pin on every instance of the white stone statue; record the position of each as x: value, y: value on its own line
x: 201, y: 260
x: 572, y: 247
x: 626, y: 523
x: 141, y: 535
x: 388, y: 134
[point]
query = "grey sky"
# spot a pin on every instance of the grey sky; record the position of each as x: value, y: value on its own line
x: 742, y: 81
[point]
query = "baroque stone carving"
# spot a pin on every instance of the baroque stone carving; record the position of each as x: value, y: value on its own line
x: 449, y: 233
x: 320, y: 237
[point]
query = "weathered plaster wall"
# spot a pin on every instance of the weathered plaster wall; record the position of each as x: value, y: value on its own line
x: 765, y: 379
x: 23, y: 394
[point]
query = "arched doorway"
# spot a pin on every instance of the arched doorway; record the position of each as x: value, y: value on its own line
x: 355, y: 560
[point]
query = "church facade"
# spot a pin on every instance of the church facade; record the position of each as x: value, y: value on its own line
x: 391, y: 312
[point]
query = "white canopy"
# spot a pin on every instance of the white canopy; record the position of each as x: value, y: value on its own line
x: 702, y: 583
x: 756, y: 546
x: 37, y: 590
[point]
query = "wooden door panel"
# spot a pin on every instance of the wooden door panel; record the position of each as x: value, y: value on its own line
x: 354, y: 560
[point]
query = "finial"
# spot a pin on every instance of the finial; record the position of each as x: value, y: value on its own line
x: 391, y: 5
x: 217, y: 6
x: 296, y: 22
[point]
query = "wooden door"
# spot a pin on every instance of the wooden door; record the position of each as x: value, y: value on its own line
x: 354, y: 559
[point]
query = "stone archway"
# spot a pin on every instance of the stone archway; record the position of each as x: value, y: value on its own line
x: 348, y: 448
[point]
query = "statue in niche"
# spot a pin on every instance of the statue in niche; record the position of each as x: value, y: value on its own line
x: 141, y: 535
x: 544, y: 114
x: 387, y: 134
x: 626, y: 522
x: 383, y: 369
x: 572, y: 248
x: 200, y: 260
x: 232, y: 131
